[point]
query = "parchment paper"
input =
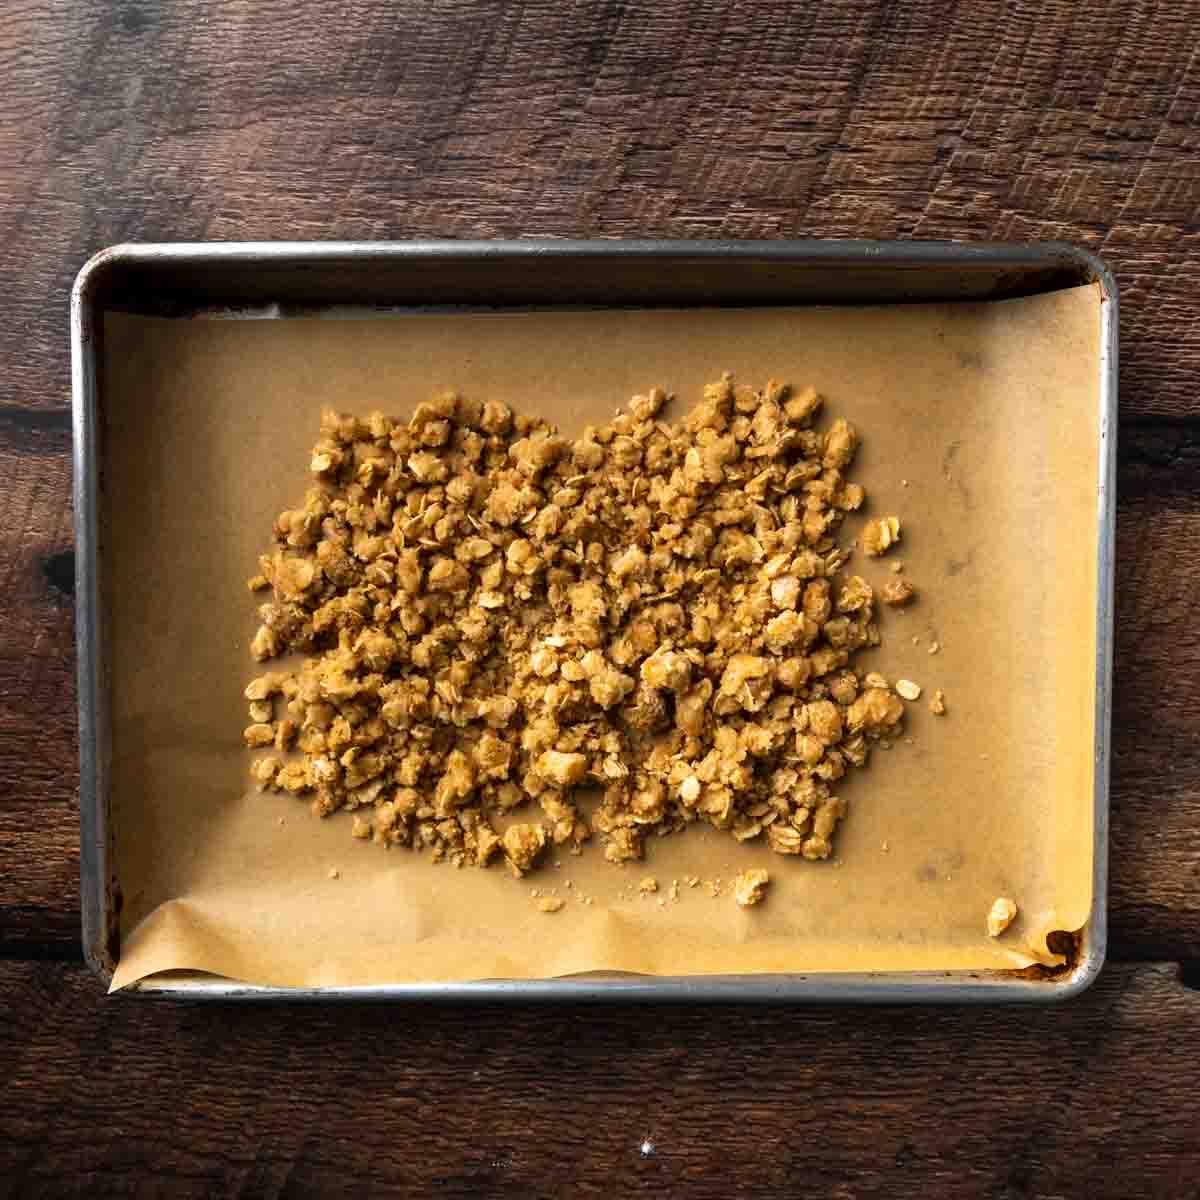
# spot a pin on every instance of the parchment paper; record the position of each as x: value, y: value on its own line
x: 979, y: 426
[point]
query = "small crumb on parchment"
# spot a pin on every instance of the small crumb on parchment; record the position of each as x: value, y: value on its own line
x: 1001, y: 915
x: 908, y: 689
x: 649, y: 884
x: 937, y: 705
x: 334, y: 873
x: 750, y: 886
x: 549, y: 904
x: 898, y: 592
x: 880, y: 534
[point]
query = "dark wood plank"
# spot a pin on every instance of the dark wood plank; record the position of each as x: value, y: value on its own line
x: 1155, y: 903
x: 1154, y: 867
x: 130, y: 1097
x: 687, y: 118
x: 39, y: 775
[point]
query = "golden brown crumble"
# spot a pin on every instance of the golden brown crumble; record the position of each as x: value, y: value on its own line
x: 1001, y: 915
x: 897, y: 592
x: 937, y: 705
x: 499, y: 620
x: 879, y: 534
x: 750, y: 886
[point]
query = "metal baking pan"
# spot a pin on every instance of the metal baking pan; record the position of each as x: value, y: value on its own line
x: 285, y: 277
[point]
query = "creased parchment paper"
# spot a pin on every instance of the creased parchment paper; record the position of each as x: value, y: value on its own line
x: 979, y: 425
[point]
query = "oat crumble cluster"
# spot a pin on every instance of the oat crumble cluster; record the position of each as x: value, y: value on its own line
x: 514, y: 639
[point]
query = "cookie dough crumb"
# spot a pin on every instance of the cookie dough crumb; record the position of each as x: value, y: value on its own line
x: 565, y: 770
x: 334, y: 873
x: 522, y: 845
x: 649, y: 884
x: 674, y: 892
x: 908, y: 689
x: 750, y: 886
x: 262, y: 688
x: 1002, y: 914
x: 934, y: 647
x: 897, y: 566
x: 549, y: 904
x: 692, y: 881
x: 898, y: 592
x: 937, y: 705
x: 880, y: 534
x: 263, y: 772
x: 259, y: 734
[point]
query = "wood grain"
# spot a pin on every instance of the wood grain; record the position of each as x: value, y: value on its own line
x: 686, y: 118
x: 135, y: 1097
x: 38, y: 748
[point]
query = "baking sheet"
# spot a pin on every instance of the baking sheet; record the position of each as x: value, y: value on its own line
x: 979, y: 425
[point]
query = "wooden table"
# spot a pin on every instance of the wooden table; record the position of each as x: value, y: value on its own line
x: 685, y: 118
